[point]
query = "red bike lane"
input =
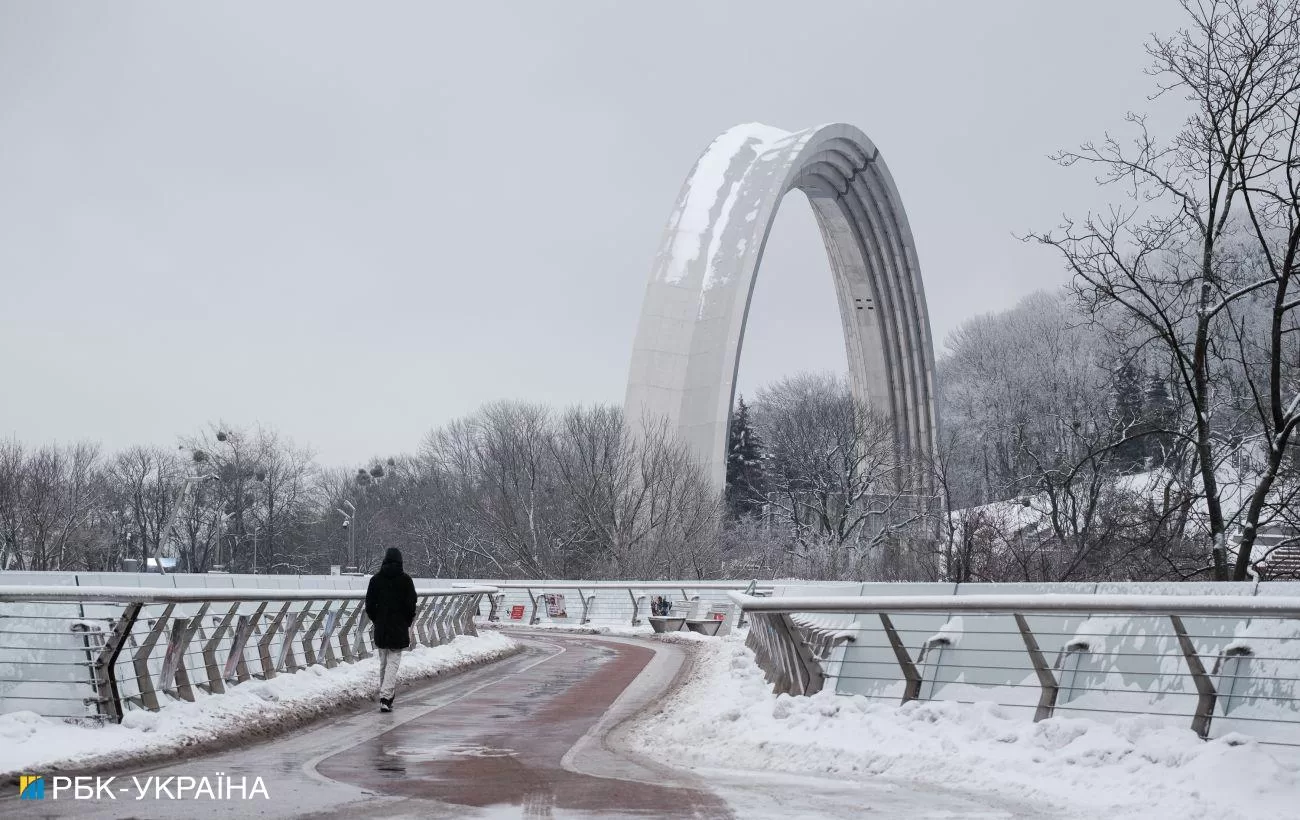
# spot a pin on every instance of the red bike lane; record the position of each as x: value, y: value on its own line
x: 504, y: 744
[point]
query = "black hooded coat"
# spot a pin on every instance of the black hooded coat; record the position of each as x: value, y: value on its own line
x: 390, y: 603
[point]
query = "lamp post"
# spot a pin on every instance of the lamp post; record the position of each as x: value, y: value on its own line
x: 217, y: 565
x: 365, y: 480
x: 349, y: 516
x: 165, y: 532
x: 237, y: 472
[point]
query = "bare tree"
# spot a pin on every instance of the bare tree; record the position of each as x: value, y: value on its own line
x: 142, y: 486
x: 1166, y: 270
x: 835, y: 476
x: 283, y: 473
x: 643, y: 506
x: 12, y: 462
x: 501, y: 459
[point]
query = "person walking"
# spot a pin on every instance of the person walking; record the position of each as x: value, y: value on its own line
x: 390, y: 606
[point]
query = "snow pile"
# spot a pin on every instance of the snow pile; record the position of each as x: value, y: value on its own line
x: 726, y: 715
x: 1258, y: 689
x: 949, y: 634
x: 29, y: 742
x: 1100, y: 634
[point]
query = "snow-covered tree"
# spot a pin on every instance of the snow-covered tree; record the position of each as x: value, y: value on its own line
x: 746, y: 481
x: 1207, y: 237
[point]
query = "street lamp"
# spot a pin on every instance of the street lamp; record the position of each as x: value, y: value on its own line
x: 222, y: 518
x: 166, y: 531
x: 236, y: 472
x: 365, y: 479
x: 348, y: 516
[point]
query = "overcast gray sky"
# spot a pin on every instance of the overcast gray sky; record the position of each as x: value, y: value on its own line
x: 354, y: 222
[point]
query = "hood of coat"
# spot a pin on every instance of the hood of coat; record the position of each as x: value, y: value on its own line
x: 392, y: 564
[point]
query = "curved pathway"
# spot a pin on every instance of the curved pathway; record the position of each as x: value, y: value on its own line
x: 535, y: 735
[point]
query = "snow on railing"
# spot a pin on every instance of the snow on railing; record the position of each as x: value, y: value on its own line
x: 1231, y: 661
x: 93, y: 652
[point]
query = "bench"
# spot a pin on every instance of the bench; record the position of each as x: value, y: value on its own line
x: 666, y: 623
x: 704, y: 626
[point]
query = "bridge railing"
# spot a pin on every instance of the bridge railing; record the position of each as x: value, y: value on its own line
x: 616, y: 602
x: 98, y: 652
x: 604, y: 603
x: 1221, y: 663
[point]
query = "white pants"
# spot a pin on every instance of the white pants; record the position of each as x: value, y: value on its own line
x: 389, y: 660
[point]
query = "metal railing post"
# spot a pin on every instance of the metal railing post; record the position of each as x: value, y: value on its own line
x: 178, y: 677
x: 216, y: 684
x: 911, y: 678
x: 264, y: 644
x: 141, y: 659
x: 761, y: 643
x: 425, y: 623
x: 365, y: 641
x: 444, y: 618
x: 424, y: 620
x: 288, y: 660
x: 446, y: 614
x: 453, y: 615
x: 236, y: 662
x: 795, y: 670
x: 534, y: 618
x: 811, y: 678
x: 309, y: 637
x: 636, y: 606
x: 586, y: 605
x: 327, y: 639
x: 105, y: 669
x: 1206, y: 695
x: 467, y: 619
x: 1046, y: 678
x: 446, y: 610
x: 347, y: 643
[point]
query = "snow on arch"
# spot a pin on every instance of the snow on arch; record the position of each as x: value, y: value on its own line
x: 692, y: 326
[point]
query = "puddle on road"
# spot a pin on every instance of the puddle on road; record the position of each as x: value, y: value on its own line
x: 444, y: 752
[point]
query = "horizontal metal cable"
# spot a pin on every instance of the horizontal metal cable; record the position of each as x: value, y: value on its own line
x: 1082, y: 689
x: 20, y: 594
x: 1068, y: 707
x: 1132, y: 605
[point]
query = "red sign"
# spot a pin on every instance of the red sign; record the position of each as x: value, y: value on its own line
x: 719, y: 616
x: 517, y: 612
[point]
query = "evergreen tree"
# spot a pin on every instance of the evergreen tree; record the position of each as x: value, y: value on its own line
x: 1160, y: 419
x: 1145, y: 409
x: 1129, y: 410
x: 746, y: 485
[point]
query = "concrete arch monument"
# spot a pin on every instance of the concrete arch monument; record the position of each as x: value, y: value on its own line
x: 688, y: 341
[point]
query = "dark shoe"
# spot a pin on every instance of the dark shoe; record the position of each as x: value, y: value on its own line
x: 385, y: 704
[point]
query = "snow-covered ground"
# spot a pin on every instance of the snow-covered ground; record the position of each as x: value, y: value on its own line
x: 726, y: 714
x: 29, y: 742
